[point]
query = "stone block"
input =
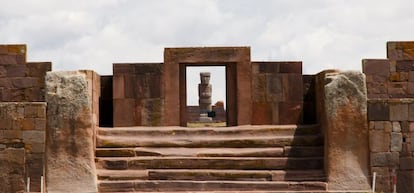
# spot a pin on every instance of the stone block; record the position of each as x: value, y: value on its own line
x: 17, y: 49
x: 290, y: 67
x: 34, y: 169
x: 292, y: 87
x: 290, y: 112
x: 274, y: 88
x: 124, y: 112
x: 12, y: 175
x: 16, y: 70
x: 377, y: 84
x: 150, y: 112
x: 268, y: 67
x: 40, y: 124
x: 405, y: 181
x: 34, y: 137
x: 262, y: 114
x: 376, y: 67
x: 397, y: 89
x: 28, y: 124
x: 379, y: 141
x: 259, y: 86
x: 396, y: 127
x: 385, y: 126
x: 398, y: 111
x: 410, y: 88
x: 118, y: 87
x: 400, y: 50
x: 70, y: 159
x: 399, y: 77
x: 411, y: 112
x: 411, y: 76
x: 345, y: 125
x: 130, y: 90
x: 390, y: 159
x: 8, y: 60
x: 412, y: 127
x: 23, y: 82
x: 154, y: 86
x: 396, y: 142
x: 34, y: 111
x: 406, y: 163
x: 378, y: 111
x: 405, y: 65
x: 119, y: 69
x: 38, y: 69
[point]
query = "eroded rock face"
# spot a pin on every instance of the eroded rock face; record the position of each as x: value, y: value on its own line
x: 12, y: 170
x: 346, y: 131
x: 70, y: 163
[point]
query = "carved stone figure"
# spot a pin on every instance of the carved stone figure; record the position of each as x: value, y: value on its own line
x: 204, y: 96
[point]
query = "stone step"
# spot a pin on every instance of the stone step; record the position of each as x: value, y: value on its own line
x: 213, y: 175
x: 295, y: 151
x: 209, y: 141
x: 182, y: 185
x: 245, y: 130
x: 229, y: 163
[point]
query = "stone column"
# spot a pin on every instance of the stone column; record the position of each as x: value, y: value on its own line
x: 70, y: 165
x: 204, y: 95
x: 343, y: 99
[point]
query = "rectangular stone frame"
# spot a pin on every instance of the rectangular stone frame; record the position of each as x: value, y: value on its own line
x: 238, y: 77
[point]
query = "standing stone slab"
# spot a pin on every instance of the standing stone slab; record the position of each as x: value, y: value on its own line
x: 346, y: 131
x: 70, y: 165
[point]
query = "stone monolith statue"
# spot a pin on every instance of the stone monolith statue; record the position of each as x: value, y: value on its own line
x: 204, y: 96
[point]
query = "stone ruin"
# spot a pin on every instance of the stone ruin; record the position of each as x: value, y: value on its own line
x: 67, y: 126
x: 204, y: 97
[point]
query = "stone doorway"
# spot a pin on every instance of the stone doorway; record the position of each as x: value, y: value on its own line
x: 238, y: 78
x: 219, y: 83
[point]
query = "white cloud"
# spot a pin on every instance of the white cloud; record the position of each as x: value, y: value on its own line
x: 96, y: 33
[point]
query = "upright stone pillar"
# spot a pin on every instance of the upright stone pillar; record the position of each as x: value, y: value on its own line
x: 70, y: 165
x: 204, y: 94
x: 343, y: 99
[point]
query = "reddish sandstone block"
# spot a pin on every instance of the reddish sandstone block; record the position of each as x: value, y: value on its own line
x: 274, y: 87
x: 410, y: 88
x: 130, y: 83
x: 3, y: 49
x: 376, y: 67
x: 118, y: 87
x: 292, y: 87
x: 379, y: 141
x: 23, y: 82
x: 124, y: 112
x: 268, y: 67
x: 397, y: 89
x: 17, y: 49
x: 154, y: 86
x: 123, y: 69
x: 259, y: 87
x: 411, y: 76
x: 405, y: 65
x: 405, y: 179
x: 399, y: 76
x: 291, y: 67
x: 262, y: 114
x: 38, y: 69
x: 378, y: 111
x: 290, y: 112
x: 400, y: 50
x: 407, y: 163
x: 399, y: 112
x: 377, y: 84
x: 8, y: 60
x: 16, y: 71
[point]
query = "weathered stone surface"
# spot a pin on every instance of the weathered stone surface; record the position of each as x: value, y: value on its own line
x: 396, y: 141
x: 378, y: 111
x: 390, y: 159
x: 400, y: 50
x: 12, y: 175
x: 70, y: 165
x: 379, y: 141
x: 405, y: 181
x: 346, y: 131
x: 398, y: 111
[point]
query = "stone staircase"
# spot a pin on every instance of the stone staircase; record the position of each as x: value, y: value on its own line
x: 286, y: 158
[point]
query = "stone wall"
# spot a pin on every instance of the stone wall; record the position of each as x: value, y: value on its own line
x: 193, y: 114
x: 21, y: 81
x: 277, y: 93
x: 390, y: 84
x: 22, y: 145
x: 137, y: 94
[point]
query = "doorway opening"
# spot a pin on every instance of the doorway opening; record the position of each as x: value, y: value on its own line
x: 206, y: 96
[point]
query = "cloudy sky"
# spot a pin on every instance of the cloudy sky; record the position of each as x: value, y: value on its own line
x: 93, y: 34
